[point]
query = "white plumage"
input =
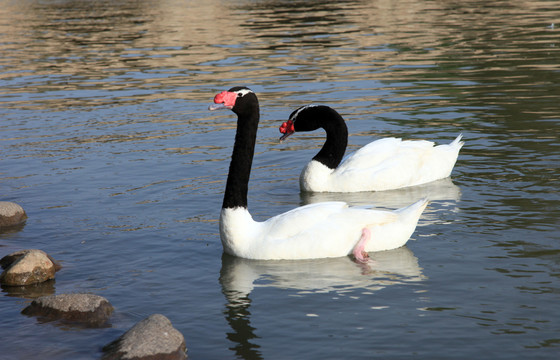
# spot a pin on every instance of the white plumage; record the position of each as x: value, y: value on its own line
x: 385, y: 164
x: 321, y: 230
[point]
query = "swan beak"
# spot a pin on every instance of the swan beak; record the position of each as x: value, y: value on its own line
x: 287, y: 128
x: 218, y: 106
x: 285, y: 136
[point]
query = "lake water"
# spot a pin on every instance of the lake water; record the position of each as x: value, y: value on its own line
x: 107, y: 143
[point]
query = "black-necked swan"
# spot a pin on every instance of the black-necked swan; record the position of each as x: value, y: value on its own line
x: 320, y: 230
x: 385, y: 164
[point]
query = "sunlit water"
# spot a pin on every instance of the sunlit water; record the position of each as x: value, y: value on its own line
x: 106, y: 141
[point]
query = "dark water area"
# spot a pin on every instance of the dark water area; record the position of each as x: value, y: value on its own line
x: 107, y: 143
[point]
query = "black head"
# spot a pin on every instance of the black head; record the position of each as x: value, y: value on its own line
x: 239, y: 99
x: 309, y: 118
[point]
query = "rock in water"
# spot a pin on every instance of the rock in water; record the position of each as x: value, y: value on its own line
x: 11, y: 214
x: 88, y: 309
x: 27, y: 267
x: 153, y: 338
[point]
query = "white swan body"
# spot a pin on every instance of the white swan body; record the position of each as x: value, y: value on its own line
x: 384, y: 164
x: 320, y: 230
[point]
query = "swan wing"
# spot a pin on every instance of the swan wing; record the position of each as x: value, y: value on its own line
x: 376, y: 153
x: 393, y: 163
x: 320, y: 217
x: 321, y: 230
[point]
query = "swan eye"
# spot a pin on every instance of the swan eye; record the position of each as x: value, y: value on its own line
x: 243, y: 92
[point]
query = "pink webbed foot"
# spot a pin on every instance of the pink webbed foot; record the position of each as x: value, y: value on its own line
x: 359, y: 251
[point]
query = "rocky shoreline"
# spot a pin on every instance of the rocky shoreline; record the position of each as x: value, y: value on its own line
x: 152, y: 338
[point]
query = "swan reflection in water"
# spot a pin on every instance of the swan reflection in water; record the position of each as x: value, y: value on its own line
x: 239, y: 277
x: 439, y: 190
x: 441, y: 193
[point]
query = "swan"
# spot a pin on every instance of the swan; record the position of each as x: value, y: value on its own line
x: 320, y: 230
x: 385, y: 164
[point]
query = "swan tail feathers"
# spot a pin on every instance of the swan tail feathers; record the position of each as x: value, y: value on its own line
x: 416, y: 208
x: 457, y: 142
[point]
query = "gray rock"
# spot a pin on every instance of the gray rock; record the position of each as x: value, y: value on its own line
x: 9, y: 259
x: 153, y: 338
x: 11, y: 214
x: 87, y: 309
x: 27, y: 267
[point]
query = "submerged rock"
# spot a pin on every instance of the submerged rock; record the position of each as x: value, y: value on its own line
x: 153, y: 338
x: 27, y: 267
x: 88, y: 309
x: 11, y: 214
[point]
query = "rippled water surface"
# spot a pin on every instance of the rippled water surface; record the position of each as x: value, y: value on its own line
x: 106, y: 141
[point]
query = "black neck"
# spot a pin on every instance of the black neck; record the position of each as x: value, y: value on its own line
x: 332, y: 152
x: 242, y: 158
